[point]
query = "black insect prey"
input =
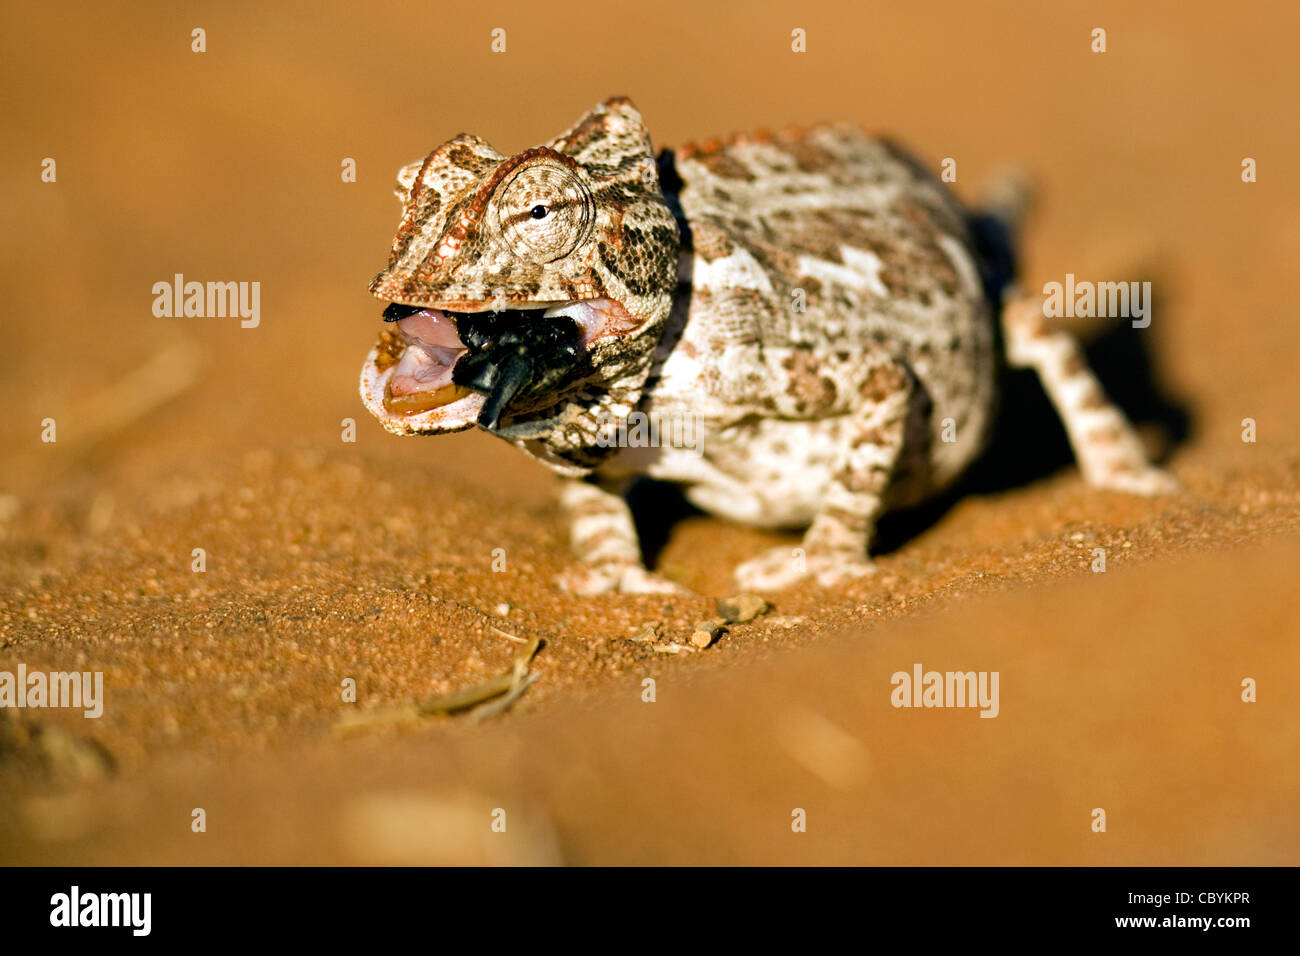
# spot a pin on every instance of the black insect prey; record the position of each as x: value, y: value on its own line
x: 511, y: 354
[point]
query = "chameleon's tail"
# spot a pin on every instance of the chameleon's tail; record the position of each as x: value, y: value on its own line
x: 995, y: 224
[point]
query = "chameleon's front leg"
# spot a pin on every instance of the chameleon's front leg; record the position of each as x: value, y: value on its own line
x: 604, y: 538
x: 834, y: 548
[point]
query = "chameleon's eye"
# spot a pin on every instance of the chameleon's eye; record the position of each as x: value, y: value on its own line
x: 544, y: 211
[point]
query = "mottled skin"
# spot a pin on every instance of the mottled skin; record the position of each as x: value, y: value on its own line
x: 812, y: 301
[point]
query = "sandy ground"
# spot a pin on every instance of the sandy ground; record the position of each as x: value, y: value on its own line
x: 328, y: 560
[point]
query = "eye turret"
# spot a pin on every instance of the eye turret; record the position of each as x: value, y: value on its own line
x: 545, y: 211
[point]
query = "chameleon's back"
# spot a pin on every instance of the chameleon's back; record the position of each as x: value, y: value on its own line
x: 815, y: 255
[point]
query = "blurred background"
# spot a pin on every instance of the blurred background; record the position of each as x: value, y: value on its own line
x: 332, y: 559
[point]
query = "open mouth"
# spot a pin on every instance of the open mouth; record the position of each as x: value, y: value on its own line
x: 422, y: 349
x: 439, y: 369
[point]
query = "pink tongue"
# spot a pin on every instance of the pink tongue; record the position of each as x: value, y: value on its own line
x: 427, y: 367
x: 432, y: 328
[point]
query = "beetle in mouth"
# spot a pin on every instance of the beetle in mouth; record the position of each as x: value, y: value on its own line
x: 433, y: 358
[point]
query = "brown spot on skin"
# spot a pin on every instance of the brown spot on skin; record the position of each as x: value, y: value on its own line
x: 894, y: 280
x: 1093, y: 399
x: 849, y: 520
x: 593, y: 125
x: 911, y: 258
x: 824, y: 238
x: 594, y: 543
x: 807, y: 157
x: 912, y: 212
x: 883, y: 382
x: 863, y: 481
x: 462, y: 156
x: 809, y: 388
x: 592, y: 508
x: 712, y: 243
x: 1107, y: 435
x: 725, y: 166
x: 880, y: 437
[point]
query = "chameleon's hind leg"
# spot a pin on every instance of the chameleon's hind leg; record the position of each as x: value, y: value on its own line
x: 604, y: 538
x: 834, y: 549
x: 1105, y: 445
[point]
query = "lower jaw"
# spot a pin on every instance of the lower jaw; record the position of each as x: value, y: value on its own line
x: 388, y: 353
x: 417, y: 414
x: 424, y: 401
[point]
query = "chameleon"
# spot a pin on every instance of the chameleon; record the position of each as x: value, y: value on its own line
x: 829, y: 320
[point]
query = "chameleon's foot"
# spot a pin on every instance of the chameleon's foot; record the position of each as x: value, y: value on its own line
x: 784, y: 567
x: 588, y: 579
x: 604, y: 536
x: 1147, y: 480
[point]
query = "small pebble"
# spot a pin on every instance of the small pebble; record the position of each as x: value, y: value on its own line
x: 785, y: 620
x: 648, y: 633
x: 705, y: 633
x: 742, y: 608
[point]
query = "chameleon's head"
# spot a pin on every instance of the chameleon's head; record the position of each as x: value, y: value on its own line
x: 521, y: 284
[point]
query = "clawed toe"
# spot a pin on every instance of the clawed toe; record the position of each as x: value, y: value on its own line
x: 615, y: 578
x: 1149, y: 481
x: 784, y: 567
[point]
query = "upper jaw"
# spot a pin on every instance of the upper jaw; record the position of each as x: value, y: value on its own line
x: 472, y: 306
x: 596, y: 318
